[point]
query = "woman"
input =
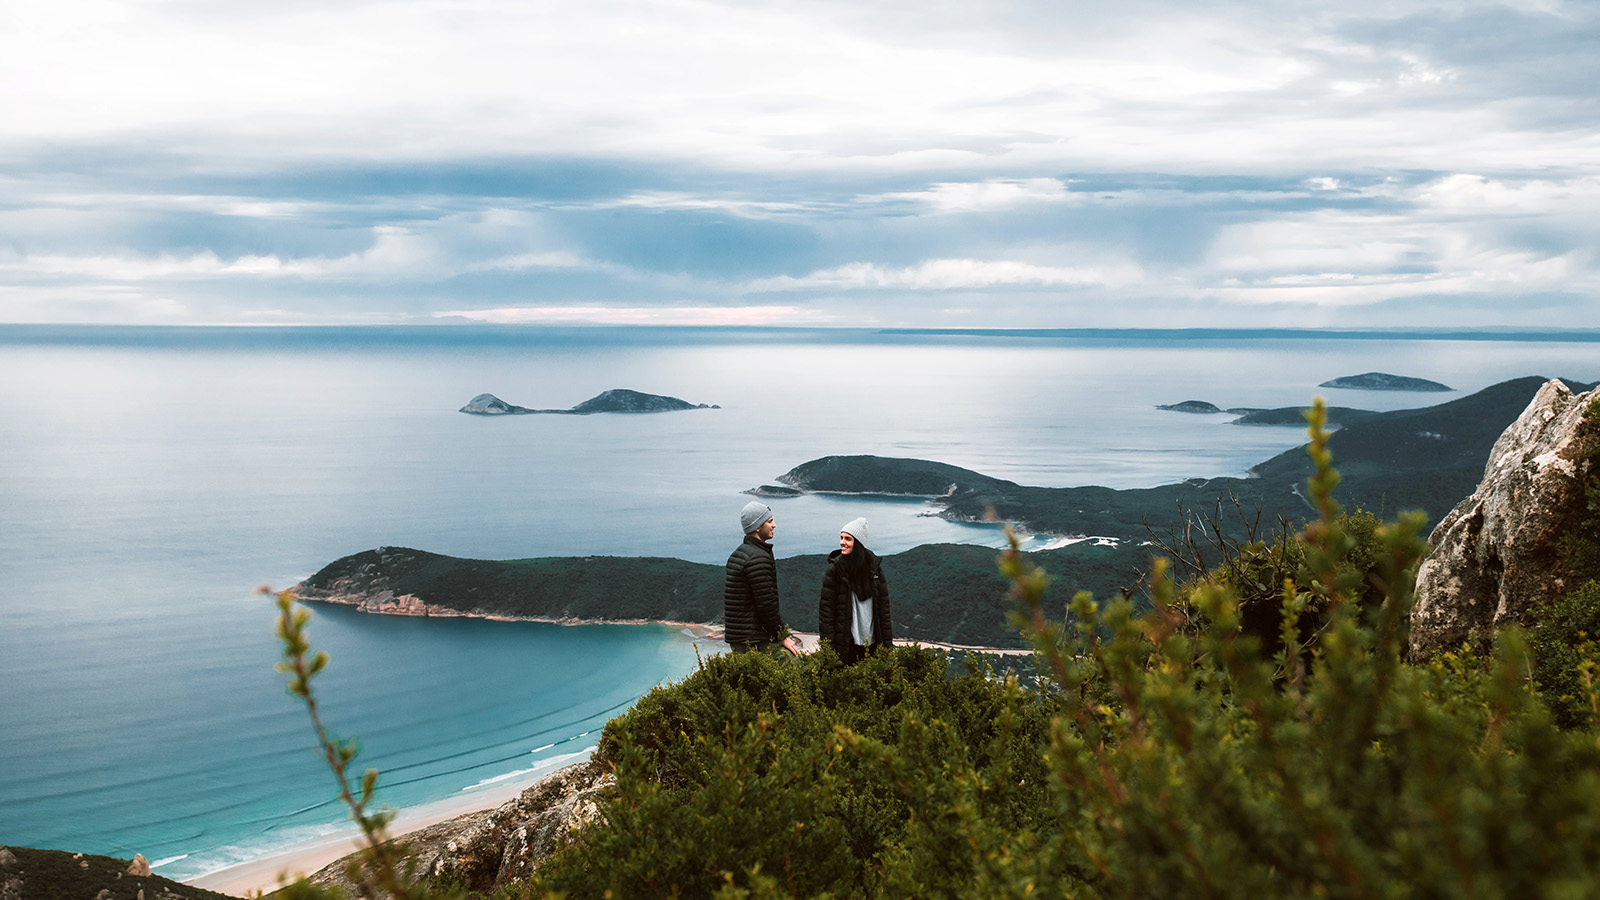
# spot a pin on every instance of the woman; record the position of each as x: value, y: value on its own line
x: 854, y: 613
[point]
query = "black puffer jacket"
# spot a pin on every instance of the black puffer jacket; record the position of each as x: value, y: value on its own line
x: 834, y: 612
x: 750, y: 595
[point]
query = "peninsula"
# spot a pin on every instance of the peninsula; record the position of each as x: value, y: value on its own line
x: 617, y: 400
x: 945, y: 593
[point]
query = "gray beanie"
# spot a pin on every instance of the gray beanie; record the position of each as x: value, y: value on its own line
x: 857, y: 528
x: 754, y: 515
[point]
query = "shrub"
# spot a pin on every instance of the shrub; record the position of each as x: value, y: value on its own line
x: 740, y: 775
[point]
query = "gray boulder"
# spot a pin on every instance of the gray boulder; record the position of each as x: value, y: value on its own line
x: 1498, y: 554
x: 489, y: 848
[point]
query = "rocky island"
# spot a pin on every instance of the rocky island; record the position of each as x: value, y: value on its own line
x: 1191, y: 406
x: 618, y: 400
x: 1383, y: 381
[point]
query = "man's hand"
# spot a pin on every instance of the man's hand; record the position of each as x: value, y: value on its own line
x: 792, y: 646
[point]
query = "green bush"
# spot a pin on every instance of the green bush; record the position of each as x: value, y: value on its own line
x: 745, y: 774
x: 1564, y: 639
x: 1564, y: 645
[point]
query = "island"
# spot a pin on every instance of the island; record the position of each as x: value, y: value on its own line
x: 618, y: 400
x: 1383, y: 381
x: 1338, y: 416
x: 1429, y: 459
x: 1191, y: 406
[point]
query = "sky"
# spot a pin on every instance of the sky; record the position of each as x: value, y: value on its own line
x: 936, y: 163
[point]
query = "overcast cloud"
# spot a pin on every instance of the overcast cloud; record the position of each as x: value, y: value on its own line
x: 892, y: 163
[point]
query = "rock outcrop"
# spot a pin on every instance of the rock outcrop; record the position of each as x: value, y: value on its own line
x: 139, y: 867
x: 486, y: 849
x: 1499, y: 552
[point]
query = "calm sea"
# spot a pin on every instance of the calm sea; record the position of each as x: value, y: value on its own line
x: 150, y: 479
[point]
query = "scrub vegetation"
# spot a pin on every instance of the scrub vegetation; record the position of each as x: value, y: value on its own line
x: 1251, y: 730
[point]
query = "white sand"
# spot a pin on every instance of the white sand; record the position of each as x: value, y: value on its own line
x: 268, y: 873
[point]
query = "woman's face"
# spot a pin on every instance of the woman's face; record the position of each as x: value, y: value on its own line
x: 846, y: 543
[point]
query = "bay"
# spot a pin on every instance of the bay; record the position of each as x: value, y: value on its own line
x: 151, y: 478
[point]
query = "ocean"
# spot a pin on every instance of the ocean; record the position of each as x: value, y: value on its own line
x: 151, y: 479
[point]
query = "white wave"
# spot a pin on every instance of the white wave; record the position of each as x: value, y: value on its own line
x: 543, y: 766
x: 1059, y: 541
x: 538, y: 749
x: 171, y: 859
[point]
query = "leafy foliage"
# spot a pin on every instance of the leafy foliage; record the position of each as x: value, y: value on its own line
x: 749, y: 768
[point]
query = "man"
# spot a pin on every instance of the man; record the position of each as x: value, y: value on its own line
x: 750, y: 616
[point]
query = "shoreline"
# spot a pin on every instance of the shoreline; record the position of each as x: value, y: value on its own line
x: 699, y: 631
x: 268, y: 873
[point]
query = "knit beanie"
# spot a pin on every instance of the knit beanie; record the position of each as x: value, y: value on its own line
x: 754, y: 515
x: 857, y: 528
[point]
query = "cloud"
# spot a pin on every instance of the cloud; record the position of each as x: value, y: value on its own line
x: 897, y: 161
x: 948, y: 274
x: 983, y: 196
x: 645, y: 315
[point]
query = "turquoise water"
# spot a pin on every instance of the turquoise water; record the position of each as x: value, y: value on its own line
x: 150, y: 480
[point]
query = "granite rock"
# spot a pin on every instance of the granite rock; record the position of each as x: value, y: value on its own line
x: 484, y: 850
x: 1499, y: 552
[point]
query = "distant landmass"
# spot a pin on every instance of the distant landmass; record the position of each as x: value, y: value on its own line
x: 951, y: 593
x: 1383, y: 381
x: 1338, y: 416
x: 619, y: 400
x: 1429, y: 459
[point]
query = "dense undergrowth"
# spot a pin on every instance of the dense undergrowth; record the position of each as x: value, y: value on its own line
x: 1254, y: 734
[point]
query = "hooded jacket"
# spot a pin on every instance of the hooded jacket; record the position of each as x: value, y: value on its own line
x: 834, y: 613
x: 750, y: 595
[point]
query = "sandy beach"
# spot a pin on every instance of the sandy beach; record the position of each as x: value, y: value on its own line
x: 268, y: 873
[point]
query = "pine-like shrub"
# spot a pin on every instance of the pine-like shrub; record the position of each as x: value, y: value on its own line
x: 740, y: 776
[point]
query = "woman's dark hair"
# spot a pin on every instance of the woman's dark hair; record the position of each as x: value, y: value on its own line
x: 857, y: 568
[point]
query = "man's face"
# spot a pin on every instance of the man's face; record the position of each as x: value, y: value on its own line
x: 766, y: 530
